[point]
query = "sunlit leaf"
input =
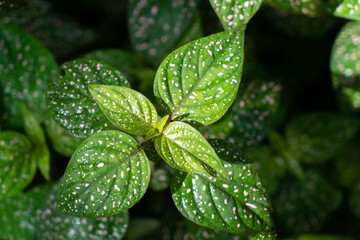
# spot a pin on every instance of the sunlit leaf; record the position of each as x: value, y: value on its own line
x: 199, y: 81
x: 107, y: 174
x: 348, y: 9
x: 239, y: 206
x: 71, y: 102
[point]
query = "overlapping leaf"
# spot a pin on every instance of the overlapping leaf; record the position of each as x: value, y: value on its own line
x: 107, y: 174
x: 71, y: 102
x: 26, y: 69
x: 235, y: 13
x: 239, y: 206
x: 348, y: 9
x: 127, y: 109
x: 184, y: 148
x: 17, y: 167
x: 199, y: 81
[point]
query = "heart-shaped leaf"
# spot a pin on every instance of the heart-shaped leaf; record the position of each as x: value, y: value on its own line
x: 348, y: 9
x: 156, y: 26
x: 199, y: 81
x: 239, y: 206
x: 185, y: 149
x: 107, y: 174
x: 71, y: 102
x: 17, y: 168
x: 53, y: 226
x: 316, y: 137
x: 10, y: 5
x: 26, y: 69
x: 235, y: 13
x: 127, y: 109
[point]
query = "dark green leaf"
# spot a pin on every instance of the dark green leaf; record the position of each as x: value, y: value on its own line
x: 316, y: 137
x: 127, y: 109
x: 354, y: 198
x: 185, y: 149
x: 239, y: 206
x: 26, y: 69
x: 139, y: 228
x: 41, y: 156
x: 32, y: 127
x: 156, y: 26
x: 199, y: 81
x: 160, y: 176
x: 17, y: 167
x: 53, y: 226
x: 235, y: 13
x: 194, y: 31
x: 71, y: 102
x: 264, y: 236
x: 107, y: 174
x: 310, y: 8
x: 10, y: 5
x: 348, y: 9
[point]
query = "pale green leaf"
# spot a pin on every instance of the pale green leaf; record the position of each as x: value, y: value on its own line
x: 185, y: 149
x: 107, y: 174
x: 199, y: 81
x: 126, y: 109
x: 348, y: 9
x: 41, y: 156
x: 70, y: 101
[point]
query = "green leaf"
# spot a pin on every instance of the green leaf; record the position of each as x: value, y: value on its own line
x: 26, y: 69
x: 239, y: 206
x: 156, y: 26
x: 354, y: 198
x: 160, y: 176
x: 32, y: 127
x: 10, y: 5
x: 235, y: 13
x: 53, y: 226
x: 107, y: 174
x: 199, y: 81
x: 17, y: 168
x: 310, y: 8
x: 126, y: 109
x: 41, y: 156
x: 264, y: 236
x: 316, y: 137
x: 140, y: 228
x: 193, y: 32
x: 185, y: 149
x: 344, y: 60
x: 348, y: 9
x: 71, y: 103
x: 159, y: 126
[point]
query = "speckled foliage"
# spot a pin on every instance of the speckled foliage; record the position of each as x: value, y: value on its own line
x: 310, y: 8
x: 26, y: 69
x: 239, y: 206
x: 348, y: 9
x: 198, y: 82
x: 71, y: 102
x: 9, y: 5
x: 235, y: 13
x: 345, y: 66
x: 107, y: 174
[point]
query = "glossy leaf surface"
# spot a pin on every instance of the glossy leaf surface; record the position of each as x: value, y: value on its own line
x: 235, y: 13
x: 185, y: 149
x: 264, y: 236
x: 17, y: 167
x: 26, y: 69
x: 54, y: 226
x: 316, y: 137
x: 106, y: 175
x: 199, y: 81
x: 71, y: 102
x: 239, y: 206
x: 348, y: 9
x: 127, y: 109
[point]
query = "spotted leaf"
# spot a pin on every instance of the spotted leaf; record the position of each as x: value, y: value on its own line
x: 310, y: 8
x: 10, y: 5
x: 107, y: 174
x: 199, y: 81
x: 127, y: 109
x: 238, y: 206
x: 264, y: 236
x: 70, y: 101
x: 156, y: 26
x: 348, y: 9
x: 26, y: 69
x: 344, y: 65
x: 17, y: 168
x: 51, y: 225
x: 235, y: 13
x: 316, y: 137
x: 185, y: 149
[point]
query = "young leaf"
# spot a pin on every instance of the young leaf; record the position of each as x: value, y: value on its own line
x: 235, y: 13
x: 17, y: 167
x: 316, y: 137
x: 70, y: 101
x: 348, y: 9
x: 53, y: 226
x: 185, y: 149
x: 127, y: 109
x: 107, y: 174
x: 41, y: 156
x: 199, y: 81
x: 10, y: 5
x: 26, y: 69
x: 32, y: 127
x: 239, y: 206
